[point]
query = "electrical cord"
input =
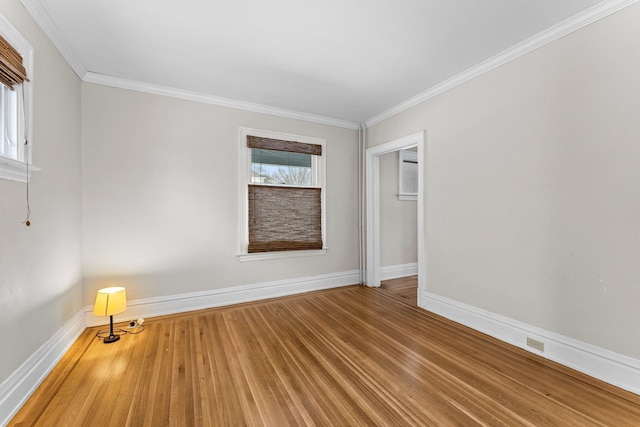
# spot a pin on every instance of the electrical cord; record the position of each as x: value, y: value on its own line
x: 105, y: 333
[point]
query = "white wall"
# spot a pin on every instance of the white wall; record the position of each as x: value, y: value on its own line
x: 398, y: 219
x: 160, y: 195
x: 40, y: 266
x: 532, y: 194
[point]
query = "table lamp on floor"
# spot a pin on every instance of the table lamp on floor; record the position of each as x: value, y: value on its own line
x: 110, y: 301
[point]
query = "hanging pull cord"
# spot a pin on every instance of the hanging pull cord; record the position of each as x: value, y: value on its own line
x: 27, y: 158
x: 26, y: 220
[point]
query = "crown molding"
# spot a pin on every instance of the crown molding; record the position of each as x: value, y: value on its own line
x: 105, y: 80
x: 589, y: 16
x: 593, y: 14
x: 42, y: 18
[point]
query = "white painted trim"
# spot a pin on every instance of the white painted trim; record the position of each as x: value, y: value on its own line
x: 105, y: 80
x: 595, y: 13
x: 180, y: 303
x: 261, y: 256
x: 408, y: 197
x: 42, y: 18
x: 589, y: 16
x: 16, y: 389
x: 613, y: 368
x: 398, y: 271
x: 15, y: 170
x: 372, y: 172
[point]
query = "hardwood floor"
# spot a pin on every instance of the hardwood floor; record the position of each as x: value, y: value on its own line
x: 352, y: 356
x: 404, y: 288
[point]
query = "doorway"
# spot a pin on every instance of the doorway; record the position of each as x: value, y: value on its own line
x: 372, y: 179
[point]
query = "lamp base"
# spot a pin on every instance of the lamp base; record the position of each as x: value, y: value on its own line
x: 111, y: 338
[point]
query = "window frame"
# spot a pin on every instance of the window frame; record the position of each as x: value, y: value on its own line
x: 15, y: 169
x: 407, y: 156
x: 318, y: 177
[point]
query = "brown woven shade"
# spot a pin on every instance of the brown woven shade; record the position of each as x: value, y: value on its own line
x: 281, y: 145
x: 284, y: 218
x: 11, y: 69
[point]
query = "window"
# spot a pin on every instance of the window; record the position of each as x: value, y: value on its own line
x: 282, y: 195
x: 408, y: 175
x: 281, y: 167
x: 9, y: 147
x: 16, y: 59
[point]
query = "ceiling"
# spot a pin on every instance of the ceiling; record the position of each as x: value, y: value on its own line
x: 342, y: 59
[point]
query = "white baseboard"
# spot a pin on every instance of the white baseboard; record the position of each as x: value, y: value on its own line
x: 605, y: 365
x: 16, y: 389
x: 180, y: 303
x: 397, y: 271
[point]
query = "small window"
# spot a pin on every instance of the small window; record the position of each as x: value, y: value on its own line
x: 281, y: 167
x: 408, y: 175
x: 283, y: 194
x: 16, y: 63
x: 9, y: 117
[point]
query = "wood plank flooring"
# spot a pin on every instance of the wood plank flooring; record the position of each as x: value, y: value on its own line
x: 404, y: 288
x: 351, y: 356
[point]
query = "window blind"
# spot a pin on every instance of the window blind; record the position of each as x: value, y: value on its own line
x: 12, y: 70
x: 284, y: 218
x: 281, y: 145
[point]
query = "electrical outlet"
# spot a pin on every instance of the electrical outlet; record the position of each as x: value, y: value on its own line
x: 136, y: 323
x: 538, y: 345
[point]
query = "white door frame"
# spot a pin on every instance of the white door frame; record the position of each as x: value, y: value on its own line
x: 373, y: 207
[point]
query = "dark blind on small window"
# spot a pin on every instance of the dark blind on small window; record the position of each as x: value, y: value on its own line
x: 284, y: 218
x: 12, y: 70
x: 281, y: 145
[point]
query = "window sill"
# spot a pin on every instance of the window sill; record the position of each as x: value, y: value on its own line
x: 258, y: 256
x: 13, y: 170
x: 407, y: 196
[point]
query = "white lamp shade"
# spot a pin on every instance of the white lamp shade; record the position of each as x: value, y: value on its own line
x: 110, y: 301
